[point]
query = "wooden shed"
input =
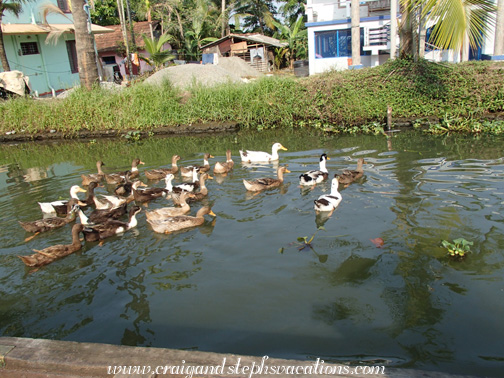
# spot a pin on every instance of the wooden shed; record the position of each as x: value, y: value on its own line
x: 256, y: 49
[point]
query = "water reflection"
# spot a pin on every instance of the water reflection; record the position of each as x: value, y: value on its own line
x: 340, y: 297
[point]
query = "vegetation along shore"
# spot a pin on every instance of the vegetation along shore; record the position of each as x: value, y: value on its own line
x: 464, y: 97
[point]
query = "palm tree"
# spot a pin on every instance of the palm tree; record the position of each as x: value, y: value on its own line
x: 258, y: 15
x: 14, y: 6
x: 84, y: 44
x: 154, y: 46
x: 295, y: 37
x: 456, y: 21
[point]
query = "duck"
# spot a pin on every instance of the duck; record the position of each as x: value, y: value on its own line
x: 111, y: 227
x: 315, y: 176
x: 96, y: 177
x: 266, y: 182
x: 195, y: 196
x: 226, y: 166
x: 189, y: 186
x: 166, y: 212
x: 180, y: 222
x: 160, y: 173
x: 188, y: 171
x: 329, y: 202
x: 146, y: 195
x: 46, y: 224
x: 348, y: 176
x: 103, y: 215
x: 108, y: 201
x: 119, y: 177
x: 49, y: 254
x: 61, y: 207
x: 261, y: 157
x: 124, y: 189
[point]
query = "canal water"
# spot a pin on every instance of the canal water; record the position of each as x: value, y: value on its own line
x: 376, y: 286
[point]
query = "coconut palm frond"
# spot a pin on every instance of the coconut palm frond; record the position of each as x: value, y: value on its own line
x: 458, y: 18
x: 54, y: 33
x: 48, y: 9
x: 14, y: 8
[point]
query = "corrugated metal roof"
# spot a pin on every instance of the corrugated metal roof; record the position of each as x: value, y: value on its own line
x: 253, y: 37
x: 45, y: 29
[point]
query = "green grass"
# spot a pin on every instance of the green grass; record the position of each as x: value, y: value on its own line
x: 334, y: 101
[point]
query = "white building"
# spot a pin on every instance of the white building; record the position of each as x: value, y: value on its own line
x: 329, y: 36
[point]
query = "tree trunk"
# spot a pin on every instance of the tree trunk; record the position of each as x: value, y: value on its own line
x: 422, y: 34
x: 355, y: 13
x: 499, y: 29
x: 84, y: 44
x: 393, y: 28
x: 3, y: 55
x: 406, y: 33
x: 223, y: 15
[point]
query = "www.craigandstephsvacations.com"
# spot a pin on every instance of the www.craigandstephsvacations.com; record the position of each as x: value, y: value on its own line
x: 317, y: 367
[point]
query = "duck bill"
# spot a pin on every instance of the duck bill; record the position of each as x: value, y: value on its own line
x: 283, y: 148
x: 212, y: 213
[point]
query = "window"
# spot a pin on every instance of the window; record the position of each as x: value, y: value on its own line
x: 109, y: 60
x: 336, y: 43
x: 29, y: 48
x: 63, y: 5
x: 72, y: 56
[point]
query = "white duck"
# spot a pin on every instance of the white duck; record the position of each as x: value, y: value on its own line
x: 260, y: 156
x: 60, y: 207
x: 315, y: 176
x: 329, y: 202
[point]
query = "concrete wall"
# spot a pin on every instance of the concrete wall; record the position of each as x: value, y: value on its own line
x: 49, y: 70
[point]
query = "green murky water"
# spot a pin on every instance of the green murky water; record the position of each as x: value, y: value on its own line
x: 225, y: 287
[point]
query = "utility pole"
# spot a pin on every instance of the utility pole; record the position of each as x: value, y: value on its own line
x: 355, y: 14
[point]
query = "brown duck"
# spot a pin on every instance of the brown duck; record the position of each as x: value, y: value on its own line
x: 348, y: 176
x: 188, y: 171
x: 166, y: 212
x: 49, y: 254
x: 266, y: 182
x: 119, y: 177
x: 160, y: 173
x: 226, y: 166
x: 111, y: 227
x: 96, y: 177
x: 47, y: 224
x: 180, y: 222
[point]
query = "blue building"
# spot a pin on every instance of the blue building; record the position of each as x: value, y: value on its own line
x: 32, y: 47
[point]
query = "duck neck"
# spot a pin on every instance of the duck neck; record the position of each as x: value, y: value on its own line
x: 169, y: 185
x: 334, y: 189
x: 99, y: 169
x: 83, y: 218
x: 323, y: 167
x: 280, y: 175
x: 359, y: 166
x: 132, y: 221
x: 174, y: 163
x: 201, y: 212
x: 274, y: 154
x: 75, y: 235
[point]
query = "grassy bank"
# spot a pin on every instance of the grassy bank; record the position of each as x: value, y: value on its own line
x: 335, y: 101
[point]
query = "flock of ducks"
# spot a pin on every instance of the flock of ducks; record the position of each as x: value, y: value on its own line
x: 104, y: 221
